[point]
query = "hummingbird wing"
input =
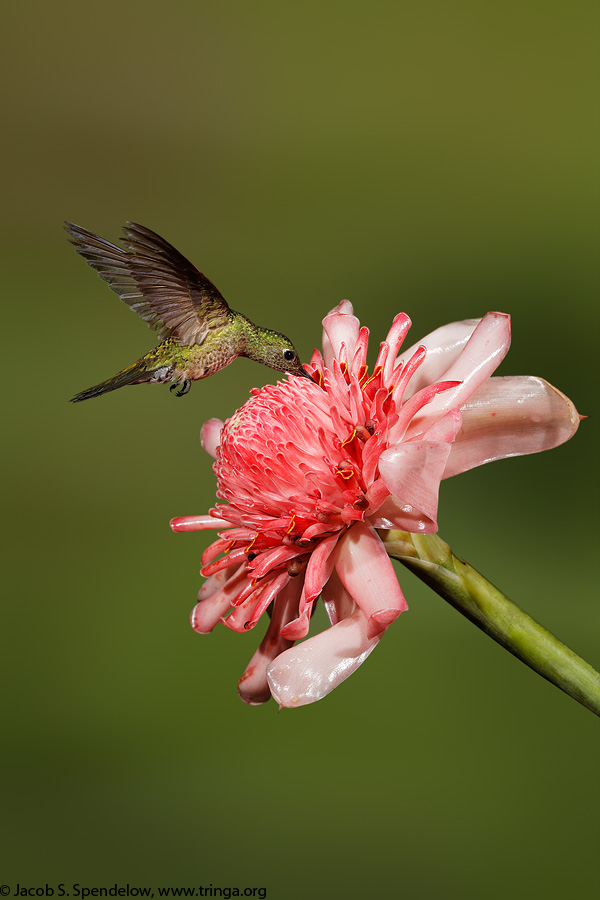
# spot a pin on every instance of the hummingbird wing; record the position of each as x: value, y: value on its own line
x: 156, y: 281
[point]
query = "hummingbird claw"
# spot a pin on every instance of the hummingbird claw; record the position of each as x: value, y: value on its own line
x: 183, y: 386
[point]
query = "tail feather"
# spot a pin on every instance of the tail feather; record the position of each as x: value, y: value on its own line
x: 135, y: 374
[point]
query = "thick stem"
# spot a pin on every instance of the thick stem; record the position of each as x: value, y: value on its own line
x: 432, y: 560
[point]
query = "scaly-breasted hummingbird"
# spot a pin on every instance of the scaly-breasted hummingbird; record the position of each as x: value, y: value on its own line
x: 199, y: 333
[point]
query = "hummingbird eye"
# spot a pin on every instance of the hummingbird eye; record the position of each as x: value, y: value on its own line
x: 288, y: 355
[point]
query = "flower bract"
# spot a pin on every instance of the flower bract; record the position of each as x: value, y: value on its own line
x: 307, y: 472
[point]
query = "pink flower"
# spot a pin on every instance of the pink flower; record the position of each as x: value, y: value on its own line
x: 309, y: 471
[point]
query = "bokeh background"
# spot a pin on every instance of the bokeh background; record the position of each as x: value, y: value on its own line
x: 434, y: 157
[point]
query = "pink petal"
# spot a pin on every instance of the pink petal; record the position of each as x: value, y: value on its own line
x: 214, y: 583
x: 210, y: 435
x: 318, y: 570
x: 344, y: 308
x: 308, y: 672
x: 337, y: 601
x: 213, y: 550
x: 253, y: 686
x: 444, y: 429
x: 213, y: 607
x: 511, y: 416
x: 404, y: 373
x: 272, y: 559
x: 376, y: 494
x: 444, y: 346
x: 240, y: 617
x: 268, y: 595
x: 233, y: 558
x: 384, y: 352
x: 410, y: 410
x: 197, y: 523
x: 397, y: 333
x: 393, y: 514
x: 340, y: 326
x: 298, y: 627
x: 360, y: 351
x: 367, y: 574
x: 412, y: 472
x: 481, y: 355
x: 314, y: 531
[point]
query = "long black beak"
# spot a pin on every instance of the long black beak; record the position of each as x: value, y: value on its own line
x: 302, y: 371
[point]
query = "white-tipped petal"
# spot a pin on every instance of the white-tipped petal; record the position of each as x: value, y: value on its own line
x: 366, y: 572
x: 253, y: 686
x: 337, y: 601
x: 480, y: 357
x: 311, y: 670
x: 412, y: 473
x: 343, y: 308
x: 215, y: 582
x: 210, y: 435
x: 446, y: 428
x: 209, y: 611
x: 511, y: 416
x: 197, y: 523
x: 340, y: 326
x: 444, y: 346
x: 395, y: 338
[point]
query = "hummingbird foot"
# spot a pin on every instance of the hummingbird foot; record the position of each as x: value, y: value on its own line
x: 183, y: 386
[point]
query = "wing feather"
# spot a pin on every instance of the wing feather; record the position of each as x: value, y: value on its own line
x: 156, y: 281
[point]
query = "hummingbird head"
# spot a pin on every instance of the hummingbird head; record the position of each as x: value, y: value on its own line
x: 273, y: 349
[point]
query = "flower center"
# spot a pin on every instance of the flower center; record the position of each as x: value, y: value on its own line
x: 299, y: 460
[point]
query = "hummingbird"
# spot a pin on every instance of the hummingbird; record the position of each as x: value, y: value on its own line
x: 199, y: 333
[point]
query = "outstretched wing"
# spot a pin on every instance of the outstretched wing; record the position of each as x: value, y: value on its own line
x: 156, y: 281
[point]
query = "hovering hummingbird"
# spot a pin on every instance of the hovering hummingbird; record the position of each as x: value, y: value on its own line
x: 199, y: 333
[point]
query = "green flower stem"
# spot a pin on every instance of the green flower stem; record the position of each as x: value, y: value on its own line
x: 432, y: 560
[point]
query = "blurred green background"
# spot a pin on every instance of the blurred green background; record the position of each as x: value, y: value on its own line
x: 434, y: 157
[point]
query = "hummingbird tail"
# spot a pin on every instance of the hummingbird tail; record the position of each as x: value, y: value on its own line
x: 134, y: 374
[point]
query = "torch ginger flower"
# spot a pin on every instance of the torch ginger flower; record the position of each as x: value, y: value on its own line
x: 311, y: 470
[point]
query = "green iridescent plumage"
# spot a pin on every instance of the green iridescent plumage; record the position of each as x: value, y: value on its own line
x: 199, y: 332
